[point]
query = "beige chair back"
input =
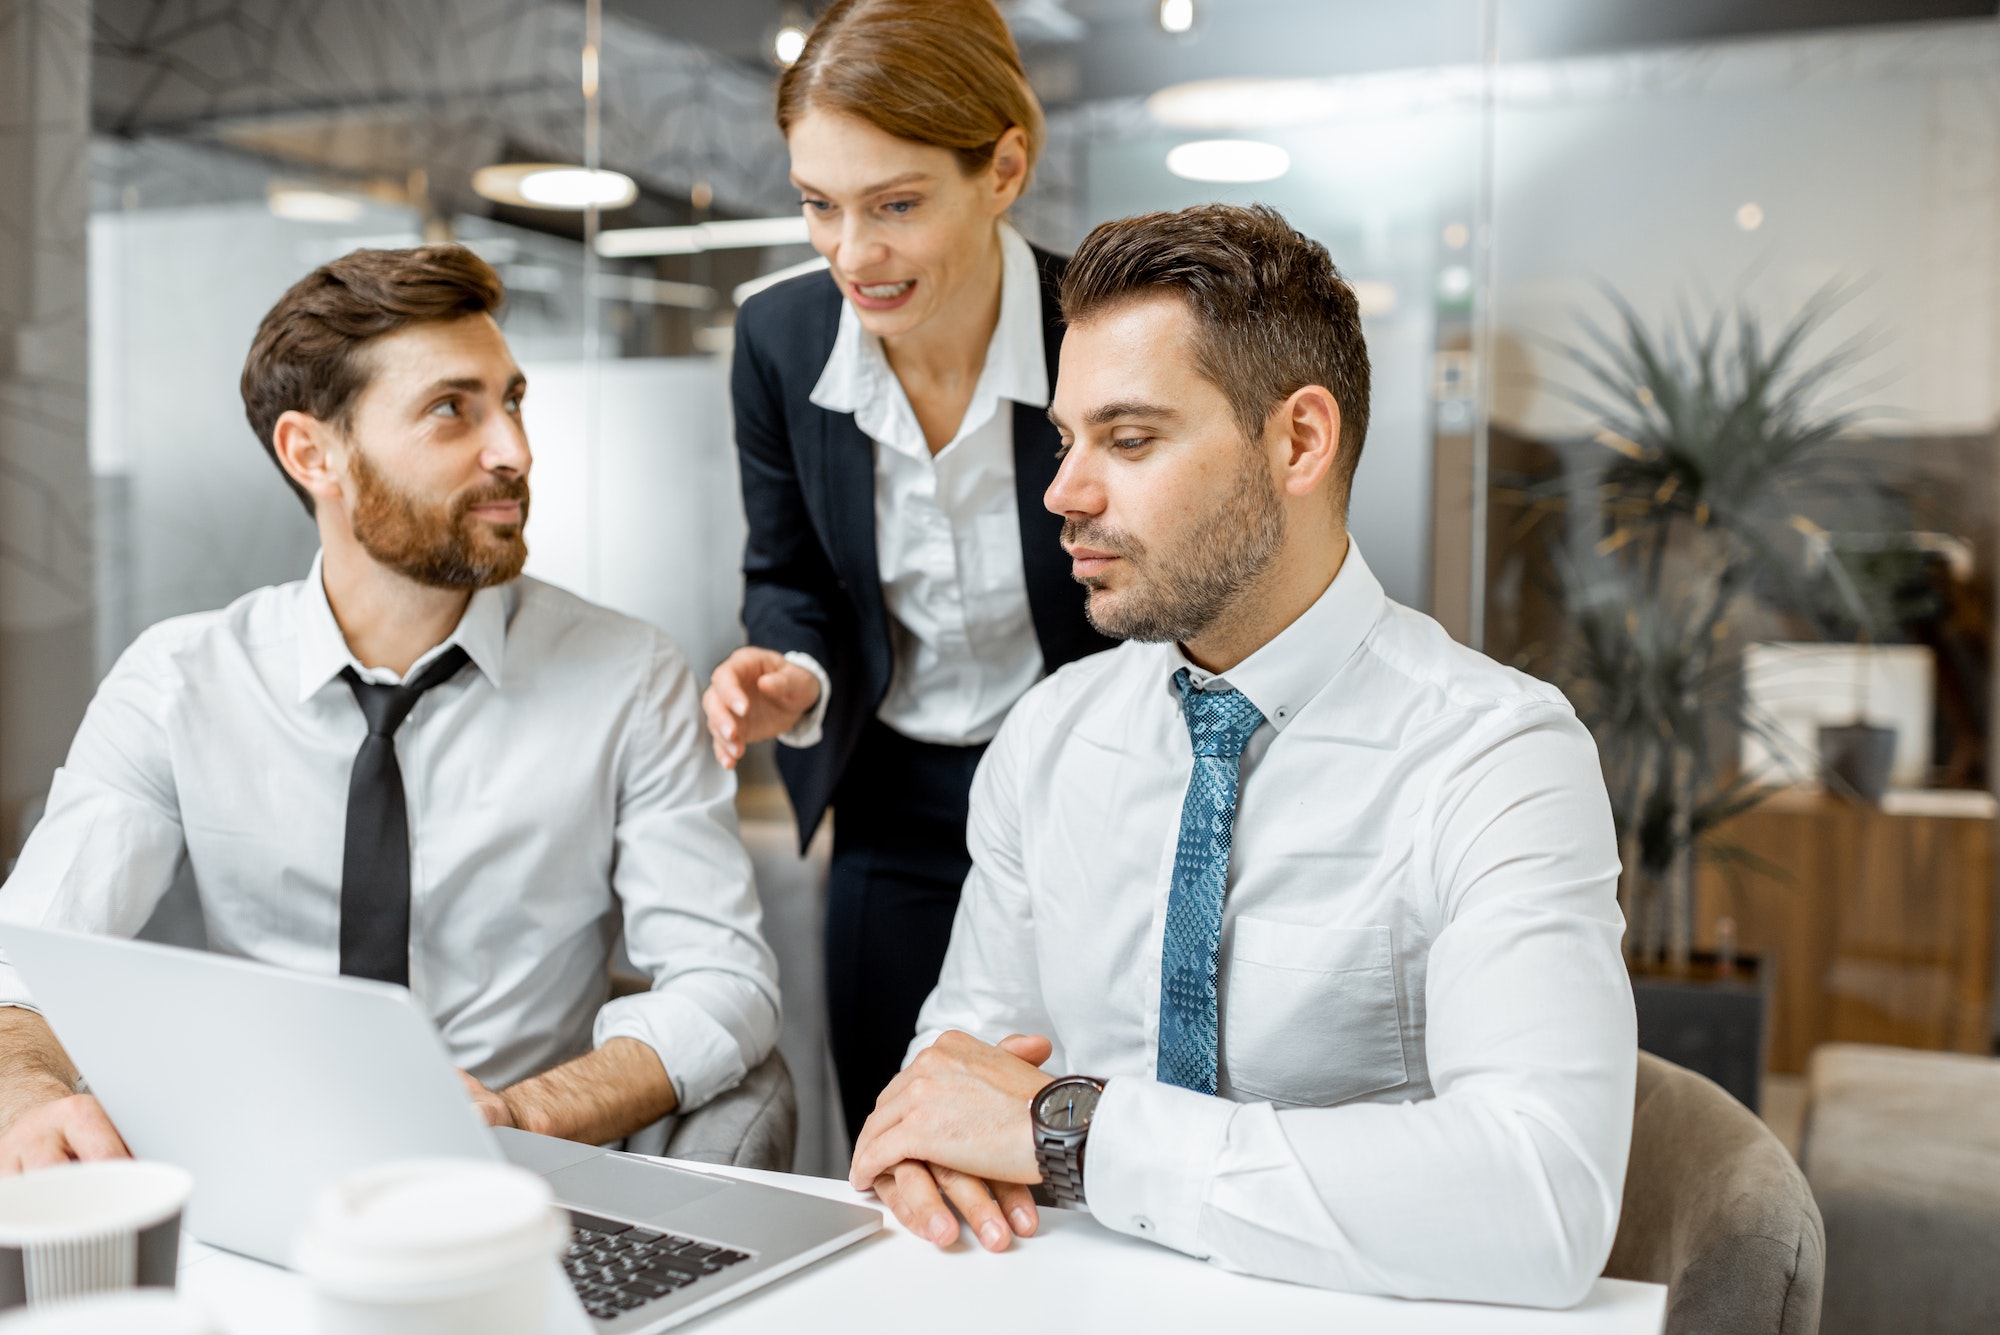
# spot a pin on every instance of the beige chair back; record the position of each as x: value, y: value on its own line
x: 1716, y: 1210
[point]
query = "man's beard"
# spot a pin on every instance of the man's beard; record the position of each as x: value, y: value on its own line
x: 1180, y: 591
x: 438, y: 543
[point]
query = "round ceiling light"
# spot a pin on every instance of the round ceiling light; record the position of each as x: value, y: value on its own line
x: 554, y: 185
x: 1176, y: 16
x: 1228, y: 161
x: 789, y: 44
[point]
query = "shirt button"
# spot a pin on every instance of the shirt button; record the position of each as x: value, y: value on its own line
x: 1143, y: 1224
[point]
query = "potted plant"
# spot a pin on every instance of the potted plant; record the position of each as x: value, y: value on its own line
x: 1712, y: 443
x: 1892, y: 579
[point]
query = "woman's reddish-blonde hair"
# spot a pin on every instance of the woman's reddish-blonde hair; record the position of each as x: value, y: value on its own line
x: 938, y: 72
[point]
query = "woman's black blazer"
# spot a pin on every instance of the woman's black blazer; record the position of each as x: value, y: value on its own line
x: 811, y: 582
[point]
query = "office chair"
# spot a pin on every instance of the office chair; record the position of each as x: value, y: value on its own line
x: 1716, y: 1210
x: 755, y: 1125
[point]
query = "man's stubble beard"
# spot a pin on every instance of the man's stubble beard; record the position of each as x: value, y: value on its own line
x: 435, y: 543
x: 1180, y: 591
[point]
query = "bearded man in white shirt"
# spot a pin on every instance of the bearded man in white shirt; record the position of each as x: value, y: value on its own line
x: 415, y: 765
x: 1318, y: 904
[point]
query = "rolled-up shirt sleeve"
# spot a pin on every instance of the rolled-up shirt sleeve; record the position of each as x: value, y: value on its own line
x: 109, y: 841
x: 684, y: 883
x: 1505, y: 1187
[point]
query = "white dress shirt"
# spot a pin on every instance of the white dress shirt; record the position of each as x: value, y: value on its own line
x: 947, y: 526
x: 560, y: 787
x: 1427, y: 1043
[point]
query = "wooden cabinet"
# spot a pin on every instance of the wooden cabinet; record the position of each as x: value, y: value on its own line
x: 1883, y: 931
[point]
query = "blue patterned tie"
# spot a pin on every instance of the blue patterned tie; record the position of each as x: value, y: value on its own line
x: 1219, y: 723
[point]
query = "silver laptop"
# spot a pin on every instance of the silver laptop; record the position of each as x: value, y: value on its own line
x: 270, y: 1085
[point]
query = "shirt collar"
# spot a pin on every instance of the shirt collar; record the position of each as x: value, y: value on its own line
x: 324, y: 655
x: 1283, y: 675
x: 857, y: 378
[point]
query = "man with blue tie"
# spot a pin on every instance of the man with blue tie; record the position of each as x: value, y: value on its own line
x: 1318, y: 905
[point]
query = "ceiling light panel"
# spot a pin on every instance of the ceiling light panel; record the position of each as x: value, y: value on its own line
x: 300, y: 203
x: 554, y: 185
x: 731, y: 234
x: 1228, y: 161
x: 1244, y: 104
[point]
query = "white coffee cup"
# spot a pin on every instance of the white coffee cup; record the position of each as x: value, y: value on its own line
x: 84, y: 1228
x: 433, y: 1247
x: 147, y: 1311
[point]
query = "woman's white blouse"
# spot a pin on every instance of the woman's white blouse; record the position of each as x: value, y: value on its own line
x: 947, y: 526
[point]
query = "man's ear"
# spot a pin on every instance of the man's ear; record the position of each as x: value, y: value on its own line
x: 311, y: 453
x: 1308, y: 423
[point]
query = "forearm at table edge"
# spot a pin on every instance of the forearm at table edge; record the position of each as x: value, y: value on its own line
x: 1407, y: 1200
x: 601, y: 1096
x: 34, y: 1069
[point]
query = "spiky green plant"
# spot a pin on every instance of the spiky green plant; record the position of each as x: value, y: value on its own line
x: 1716, y: 443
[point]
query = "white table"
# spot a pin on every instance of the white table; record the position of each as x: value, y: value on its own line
x: 1077, y: 1271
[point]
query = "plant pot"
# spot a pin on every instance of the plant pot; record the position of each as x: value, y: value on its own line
x: 1710, y: 1020
x: 1856, y: 758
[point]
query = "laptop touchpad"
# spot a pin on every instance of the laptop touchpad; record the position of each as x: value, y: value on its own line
x: 631, y: 1188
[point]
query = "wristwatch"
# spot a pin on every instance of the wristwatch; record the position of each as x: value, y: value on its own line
x: 1061, y: 1114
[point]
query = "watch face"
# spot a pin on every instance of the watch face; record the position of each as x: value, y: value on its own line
x: 1067, y: 1106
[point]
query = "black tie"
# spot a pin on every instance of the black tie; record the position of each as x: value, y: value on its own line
x: 375, y: 869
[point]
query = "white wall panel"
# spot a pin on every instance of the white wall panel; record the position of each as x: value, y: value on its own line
x: 643, y: 513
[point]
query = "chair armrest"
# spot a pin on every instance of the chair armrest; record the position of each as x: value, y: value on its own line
x: 754, y: 1125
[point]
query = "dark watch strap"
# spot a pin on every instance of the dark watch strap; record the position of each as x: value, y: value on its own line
x: 1061, y: 1162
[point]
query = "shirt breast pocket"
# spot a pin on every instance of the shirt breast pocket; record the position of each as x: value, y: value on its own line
x: 1309, y: 1013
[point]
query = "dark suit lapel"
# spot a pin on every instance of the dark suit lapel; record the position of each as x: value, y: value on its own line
x: 844, y: 474
x: 847, y: 471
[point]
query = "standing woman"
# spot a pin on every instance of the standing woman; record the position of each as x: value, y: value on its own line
x: 903, y: 583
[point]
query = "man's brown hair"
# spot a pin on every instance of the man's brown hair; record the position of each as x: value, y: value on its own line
x: 938, y: 72
x: 306, y: 356
x: 1272, y: 313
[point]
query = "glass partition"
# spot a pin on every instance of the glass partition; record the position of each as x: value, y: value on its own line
x: 1497, y: 178
x: 1388, y: 184
x: 1786, y: 551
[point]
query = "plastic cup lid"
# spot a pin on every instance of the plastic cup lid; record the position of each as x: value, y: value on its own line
x: 87, y: 1199
x: 428, y: 1224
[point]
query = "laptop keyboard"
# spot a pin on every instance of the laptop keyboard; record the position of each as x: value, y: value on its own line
x: 618, y: 1268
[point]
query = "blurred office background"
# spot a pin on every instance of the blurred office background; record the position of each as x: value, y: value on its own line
x: 1498, y: 178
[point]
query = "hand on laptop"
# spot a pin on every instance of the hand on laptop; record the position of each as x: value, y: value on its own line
x: 954, y: 1126
x: 71, y: 1127
x: 43, y: 1120
x: 603, y: 1095
x: 492, y: 1104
